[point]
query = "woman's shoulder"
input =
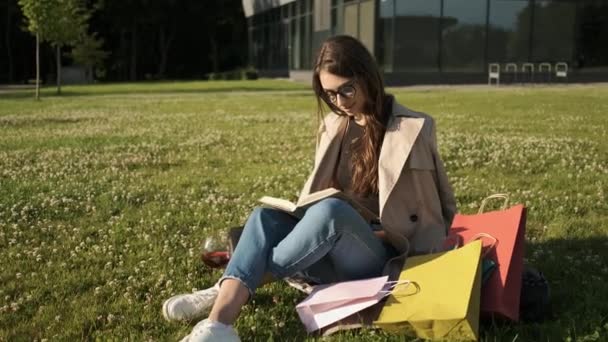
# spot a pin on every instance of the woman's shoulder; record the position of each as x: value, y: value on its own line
x: 400, y: 110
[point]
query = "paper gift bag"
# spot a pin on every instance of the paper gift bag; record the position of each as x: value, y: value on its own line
x: 443, y: 302
x: 500, y: 293
x: 330, y: 303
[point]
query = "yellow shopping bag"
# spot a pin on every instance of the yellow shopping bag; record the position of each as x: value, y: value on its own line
x: 444, y: 301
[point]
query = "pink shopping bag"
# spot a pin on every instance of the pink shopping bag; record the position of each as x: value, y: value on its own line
x: 330, y: 303
x: 500, y: 293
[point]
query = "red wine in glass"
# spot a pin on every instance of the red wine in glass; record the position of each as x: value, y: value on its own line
x: 216, y: 259
x: 215, y: 253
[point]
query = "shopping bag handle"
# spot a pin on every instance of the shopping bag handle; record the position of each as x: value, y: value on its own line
x: 393, y: 284
x: 485, y: 200
x: 485, y: 235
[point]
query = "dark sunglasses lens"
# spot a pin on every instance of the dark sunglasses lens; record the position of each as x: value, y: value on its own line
x: 348, y: 91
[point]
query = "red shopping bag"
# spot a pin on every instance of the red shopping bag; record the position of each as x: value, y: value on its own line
x: 500, y: 293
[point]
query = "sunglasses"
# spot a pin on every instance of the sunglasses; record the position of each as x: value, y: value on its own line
x: 347, y: 91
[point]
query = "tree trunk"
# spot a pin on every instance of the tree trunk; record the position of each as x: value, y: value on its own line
x: 37, y: 66
x: 89, y: 74
x: 133, y: 68
x: 164, y: 45
x: 124, y: 52
x: 215, y: 57
x: 9, y: 51
x: 58, y: 53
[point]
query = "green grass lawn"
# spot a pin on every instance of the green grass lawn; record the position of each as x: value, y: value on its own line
x: 107, y: 192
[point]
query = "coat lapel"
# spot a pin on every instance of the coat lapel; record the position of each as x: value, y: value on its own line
x: 399, y: 138
x: 326, y: 155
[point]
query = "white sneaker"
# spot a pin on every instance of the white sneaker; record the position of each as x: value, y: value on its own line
x: 187, y: 307
x: 210, y: 331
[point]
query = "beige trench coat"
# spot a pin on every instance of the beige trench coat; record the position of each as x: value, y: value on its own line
x: 416, y: 200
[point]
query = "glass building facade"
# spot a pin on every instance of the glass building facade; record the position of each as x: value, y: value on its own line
x: 432, y: 41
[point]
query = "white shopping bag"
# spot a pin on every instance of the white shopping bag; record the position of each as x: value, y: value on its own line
x: 330, y: 303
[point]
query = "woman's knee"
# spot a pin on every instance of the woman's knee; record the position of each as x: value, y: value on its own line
x: 261, y: 215
x: 268, y: 223
x: 329, y: 209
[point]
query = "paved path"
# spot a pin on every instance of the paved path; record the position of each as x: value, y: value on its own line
x: 10, y: 88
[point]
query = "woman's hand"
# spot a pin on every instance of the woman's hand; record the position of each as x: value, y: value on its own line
x: 380, y: 234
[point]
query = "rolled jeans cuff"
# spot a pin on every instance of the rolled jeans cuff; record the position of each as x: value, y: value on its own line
x: 219, y: 282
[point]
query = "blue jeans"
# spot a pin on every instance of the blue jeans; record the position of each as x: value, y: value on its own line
x: 331, y: 243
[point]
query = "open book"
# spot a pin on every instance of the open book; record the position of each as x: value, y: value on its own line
x: 297, y: 209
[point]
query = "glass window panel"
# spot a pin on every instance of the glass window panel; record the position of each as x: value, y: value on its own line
x: 334, y: 21
x: 291, y: 9
x: 306, y: 37
x: 386, y: 41
x: 337, y: 20
x: 322, y: 16
x: 256, y: 47
x: 351, y: 20
x: 273, y: 45
x: 463, y: 35
x: 509, y: 31
x: 366, y: 24
x: 280, y: 47
x: 417, y: 23
x: 387, y: 8
x: 551, y: 42
x: 295, y: 44
x: 284, y: 37
x: 275, y: 48
x: 592, y: 35
x: 304, y: 42
x: 251, y: 49
x: 266, y: 48
x: 420, y: 8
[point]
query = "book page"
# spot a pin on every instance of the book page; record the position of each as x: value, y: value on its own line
x: 278, y: 203
x: 306, y: 201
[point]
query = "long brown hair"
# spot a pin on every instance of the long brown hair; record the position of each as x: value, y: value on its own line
x: 347, y: 57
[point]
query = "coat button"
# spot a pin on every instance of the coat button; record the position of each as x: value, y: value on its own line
x: 414, y: 218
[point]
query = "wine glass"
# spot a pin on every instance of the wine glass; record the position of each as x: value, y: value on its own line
x: 215, y: 251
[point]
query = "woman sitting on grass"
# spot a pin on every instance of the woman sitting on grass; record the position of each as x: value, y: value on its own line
x: 378, y: 152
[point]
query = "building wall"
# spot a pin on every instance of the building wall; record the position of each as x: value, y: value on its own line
x: 447, y: 41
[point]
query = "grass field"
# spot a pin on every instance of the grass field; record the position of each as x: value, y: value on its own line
x: 107, y: 192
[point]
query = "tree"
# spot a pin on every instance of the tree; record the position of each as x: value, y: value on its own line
x: 220, y: 22
x: 121, y: 19
x: 10, y: 10
x: 58, y: 22
x: 88, y: 53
